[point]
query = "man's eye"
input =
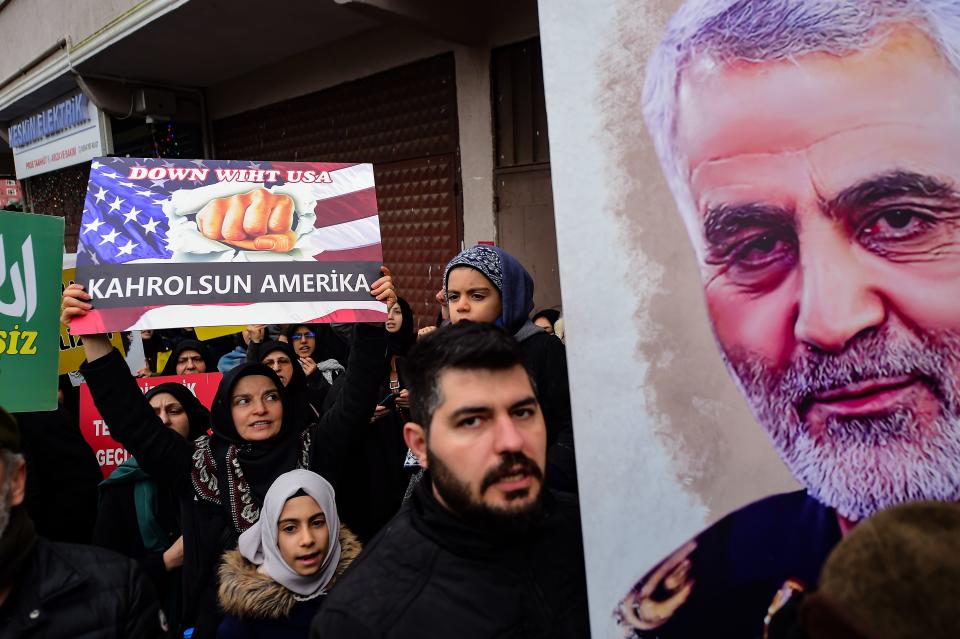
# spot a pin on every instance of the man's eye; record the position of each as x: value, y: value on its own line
x: 524, y: 413
x: 761, y: 251
x: 470, y: 422
x: 896, y: 224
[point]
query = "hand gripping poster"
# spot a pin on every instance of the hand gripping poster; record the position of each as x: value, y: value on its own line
x: 167, y: 243
x: 772, y: 190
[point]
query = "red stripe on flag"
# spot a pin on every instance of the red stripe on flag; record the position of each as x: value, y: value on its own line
x: 348, y: 207
x: 93, y: 322
x: 370, y: 253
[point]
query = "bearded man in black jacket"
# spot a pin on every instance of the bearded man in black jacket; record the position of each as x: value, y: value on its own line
x: 482, y: 549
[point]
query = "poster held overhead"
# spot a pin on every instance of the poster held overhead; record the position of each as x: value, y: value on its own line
x: 169, y: 243
x: 31, y: 257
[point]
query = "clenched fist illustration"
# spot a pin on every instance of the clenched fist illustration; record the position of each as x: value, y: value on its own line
x: 254, y: 221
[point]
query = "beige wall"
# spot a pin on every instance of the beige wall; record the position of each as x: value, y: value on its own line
x: 27, y: 27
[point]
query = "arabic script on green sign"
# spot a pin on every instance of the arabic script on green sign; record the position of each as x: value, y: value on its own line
x: 31, y: 261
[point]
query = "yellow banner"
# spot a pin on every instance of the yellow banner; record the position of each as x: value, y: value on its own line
x: 162, y: 358
x: 71, y: 346
x: 209, y: 332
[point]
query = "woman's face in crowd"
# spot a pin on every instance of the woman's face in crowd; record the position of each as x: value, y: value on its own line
x: 394, y: 319
x: 302, y: 535
x: 189, y: 362
x: 281, y: 365
x: 146, y: 334
x: 171, y: 413
x: 471, y: 296
x: 545, y: 324
x: 303, y: 341
x: 256, y: 408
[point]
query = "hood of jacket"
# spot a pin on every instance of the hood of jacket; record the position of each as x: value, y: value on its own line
x: 246, y: 592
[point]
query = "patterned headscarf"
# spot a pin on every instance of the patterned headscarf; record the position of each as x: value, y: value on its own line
x: 507, y: 275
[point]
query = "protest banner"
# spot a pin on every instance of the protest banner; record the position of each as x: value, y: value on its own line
x: 71, y: 346
x: 96, y: 432
x: 170, y: 243
x: 31, y: 257
x: 782, y: 173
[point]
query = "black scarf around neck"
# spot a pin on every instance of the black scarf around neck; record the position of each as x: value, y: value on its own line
x: 260, y: 462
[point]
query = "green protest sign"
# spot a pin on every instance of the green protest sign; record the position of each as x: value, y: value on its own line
x: 31, y: 260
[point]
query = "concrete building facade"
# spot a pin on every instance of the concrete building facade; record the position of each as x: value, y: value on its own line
x: 444, y: 97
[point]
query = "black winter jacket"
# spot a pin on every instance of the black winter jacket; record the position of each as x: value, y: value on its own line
x: 66, y: 591
x: 168, y: 458
x: 117, y: 529
x: 62, y: 476
x: 546, y: 358
x: 429, y: 575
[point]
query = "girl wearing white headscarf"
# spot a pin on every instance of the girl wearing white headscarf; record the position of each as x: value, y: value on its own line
x: 275, y: 581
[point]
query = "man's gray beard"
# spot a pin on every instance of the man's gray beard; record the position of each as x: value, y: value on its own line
x: 861, y: 465
x: 5, y: 491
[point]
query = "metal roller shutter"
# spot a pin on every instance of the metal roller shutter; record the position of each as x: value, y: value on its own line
x: 405, y: 122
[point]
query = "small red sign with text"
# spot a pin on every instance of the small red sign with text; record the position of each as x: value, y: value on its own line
x: 111, y: 454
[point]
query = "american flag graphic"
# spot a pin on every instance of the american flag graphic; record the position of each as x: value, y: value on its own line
x: 122, y: 220
x: 134, y: 211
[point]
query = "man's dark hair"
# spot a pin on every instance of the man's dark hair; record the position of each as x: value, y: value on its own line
x: 464, y: 346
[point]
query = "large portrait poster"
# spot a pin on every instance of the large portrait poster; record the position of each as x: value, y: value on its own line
x: 770, y: 191
x: 169, y: 243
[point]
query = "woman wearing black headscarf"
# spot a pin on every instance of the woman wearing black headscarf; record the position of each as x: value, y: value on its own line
x: 256, y: 437
x: 321, y: 363
x: 282, y: 359
x: 189, y: 356
x: 140, y: 517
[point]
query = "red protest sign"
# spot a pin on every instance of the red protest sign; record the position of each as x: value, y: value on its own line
x: 111, y: 454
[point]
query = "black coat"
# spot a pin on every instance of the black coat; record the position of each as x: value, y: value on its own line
x: 167, y: 457
x: 546, y: 358
x: 67, y: 590
x: 117, y: 528
x: 62, y: 476
x: 429, y: 575
x: 375, y: 479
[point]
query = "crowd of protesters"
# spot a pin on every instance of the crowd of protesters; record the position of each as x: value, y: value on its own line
x: 354, y: 480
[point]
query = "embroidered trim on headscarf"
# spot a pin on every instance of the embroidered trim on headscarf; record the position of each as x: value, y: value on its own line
x: 203, y: 475
x: 243, y: 509
x: 305, y: 448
